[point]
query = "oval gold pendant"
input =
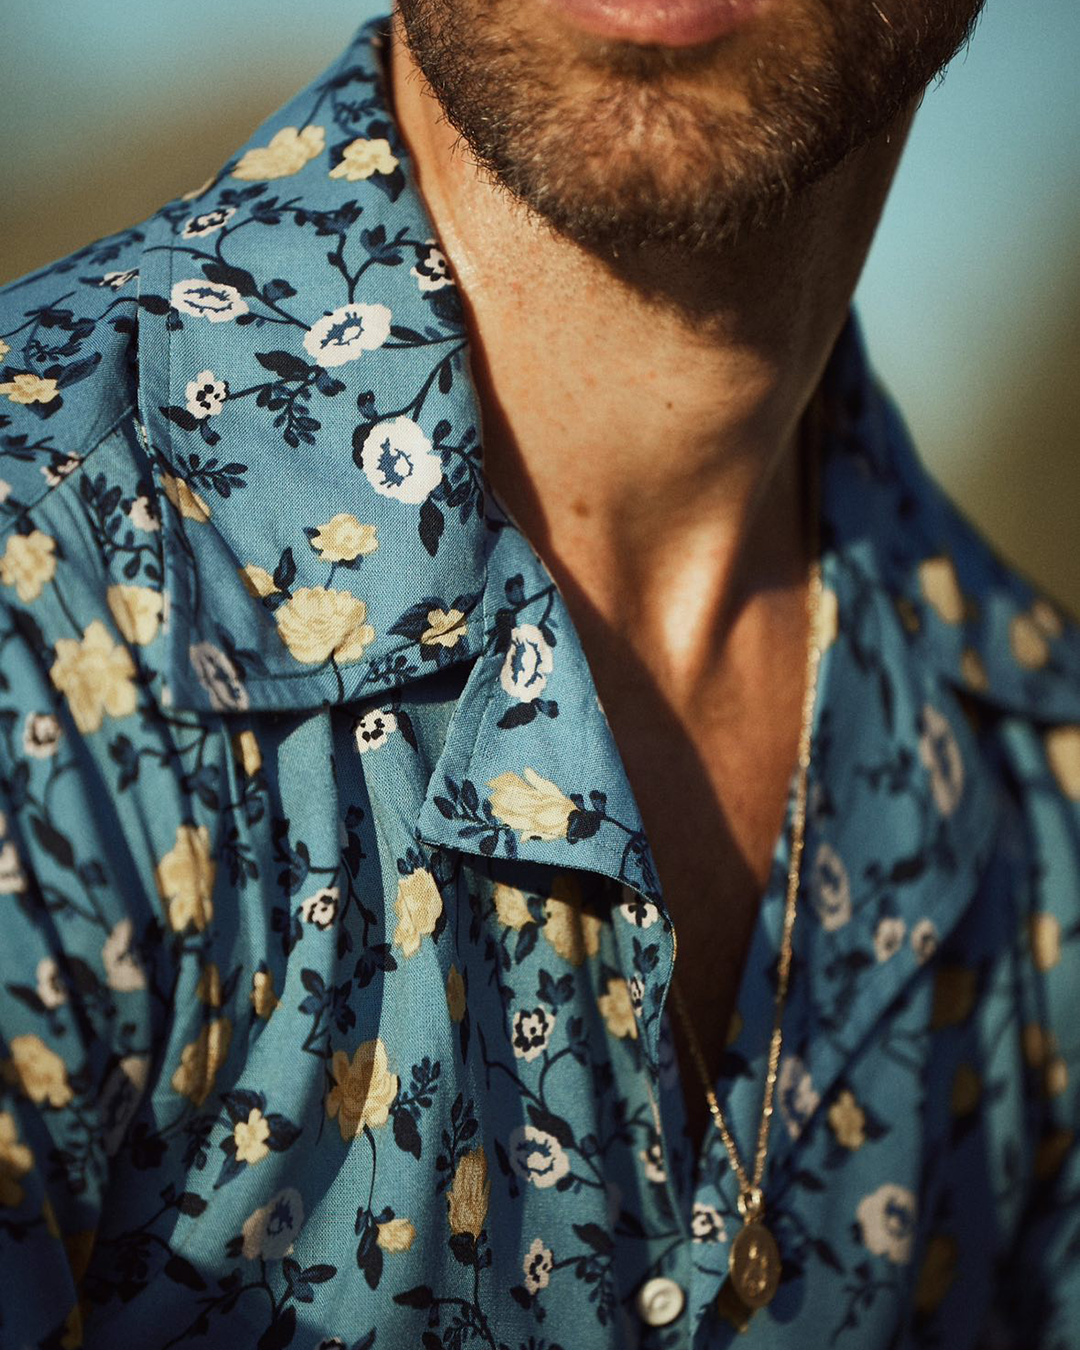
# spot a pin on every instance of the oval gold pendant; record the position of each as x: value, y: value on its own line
x: 755, y: 1265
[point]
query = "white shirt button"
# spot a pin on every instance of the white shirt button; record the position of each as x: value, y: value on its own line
x: 660, y: 1301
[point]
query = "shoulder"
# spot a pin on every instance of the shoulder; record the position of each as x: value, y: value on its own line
x: 80, y: 540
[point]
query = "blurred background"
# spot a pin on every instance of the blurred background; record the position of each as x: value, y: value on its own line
x: 970, y: 300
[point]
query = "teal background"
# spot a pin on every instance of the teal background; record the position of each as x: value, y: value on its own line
x: 970, y: 299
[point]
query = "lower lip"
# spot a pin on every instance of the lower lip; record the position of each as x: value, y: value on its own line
x: 659, y: 23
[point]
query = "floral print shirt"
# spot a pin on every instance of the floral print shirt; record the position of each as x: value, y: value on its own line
x: 334, y: 962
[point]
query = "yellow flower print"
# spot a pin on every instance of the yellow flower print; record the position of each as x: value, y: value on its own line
x: 1046, y: 618
x: 188, y: 502
x: 39, y: 1071
x: 247, y: 753
x: 1062, y: 746
x: 1044, y: 931
x: 1029, y: 646
x: 250, y: 1137
x: 316, y: 624
x: 940, y: 588
x: 361, y: 158
x: 344, y: 539
x: 955, y: 989
x: 847, y: 1120
x: 966, y: 1091
x: 4, y: 348
x: 363, y: 1090
x: 1055, y: 1077
x: 455, y: 994
x: 263, y: 998
x: 573, y: 932
x: 289, y: 150
x: 467, y: 1203
x: 396, y: 1235
x: 95, y: 674
x: 257, y: 581
x: 136, y: 611
x: 208, y: 990
x: 511, y: 906
x: 185, y: 879
x: 15, y: 1161
x: 973, y: 670
x: 446, y: 627
x: 618, y: 1010
x: 201, y: 1059
x: 418, y: 906
x: 532, y: 805
x: 828, y: 619
x: 28, y: 564
x: 30, y: 389
x: 937, y: 1273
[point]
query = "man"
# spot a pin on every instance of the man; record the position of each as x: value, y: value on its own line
x: 354, y: 792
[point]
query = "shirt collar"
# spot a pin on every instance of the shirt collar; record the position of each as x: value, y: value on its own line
x: 303, y: 380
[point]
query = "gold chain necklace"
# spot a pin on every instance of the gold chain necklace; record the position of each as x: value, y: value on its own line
x: 754, y: 1262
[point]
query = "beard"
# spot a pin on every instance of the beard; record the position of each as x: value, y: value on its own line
x: 623, y: 147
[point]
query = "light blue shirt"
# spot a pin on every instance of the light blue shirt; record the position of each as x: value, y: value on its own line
x: 334, y: 961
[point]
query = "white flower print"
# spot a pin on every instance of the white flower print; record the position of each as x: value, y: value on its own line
x: 796, y: 1094
x: 537, y: 1156
x: 528, y: 663
x: 432, y: 271
x: 830, y: 888
x: 652, y: 1161
x: 886, y: 1219
x: 50, y: 987
x: 924, y: 940
x: 117, y: 280
x: 637, y: 910
x: 531, y: 1032
x: 219, y: 677
x: 373, y: 730
x: 12, y: 876
x: 398, y: 461
x: 707, y: 1224
x: 940, y: 753
x: 269, y: 1233
x: 347, y: 333
x: 538, y: 1265
x: 636, y: 987
x: 144, y: 515
x: 208, y: 300
x: 198, y: 227
x: 206, y: 395
x: 59, y: 467
x: 120, y: 1099
x: 41, y: 735
x: 321, y: 908
x: 888, y: 937
x: 123, y: 969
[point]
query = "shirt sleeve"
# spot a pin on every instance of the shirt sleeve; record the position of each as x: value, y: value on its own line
x: 75, y: 1000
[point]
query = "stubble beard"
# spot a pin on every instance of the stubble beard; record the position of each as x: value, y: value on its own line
x: 624, y: 148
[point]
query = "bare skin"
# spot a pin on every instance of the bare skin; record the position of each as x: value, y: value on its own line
x: 641, y: 421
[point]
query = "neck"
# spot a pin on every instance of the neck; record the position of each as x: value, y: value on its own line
x: 641, y: 413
